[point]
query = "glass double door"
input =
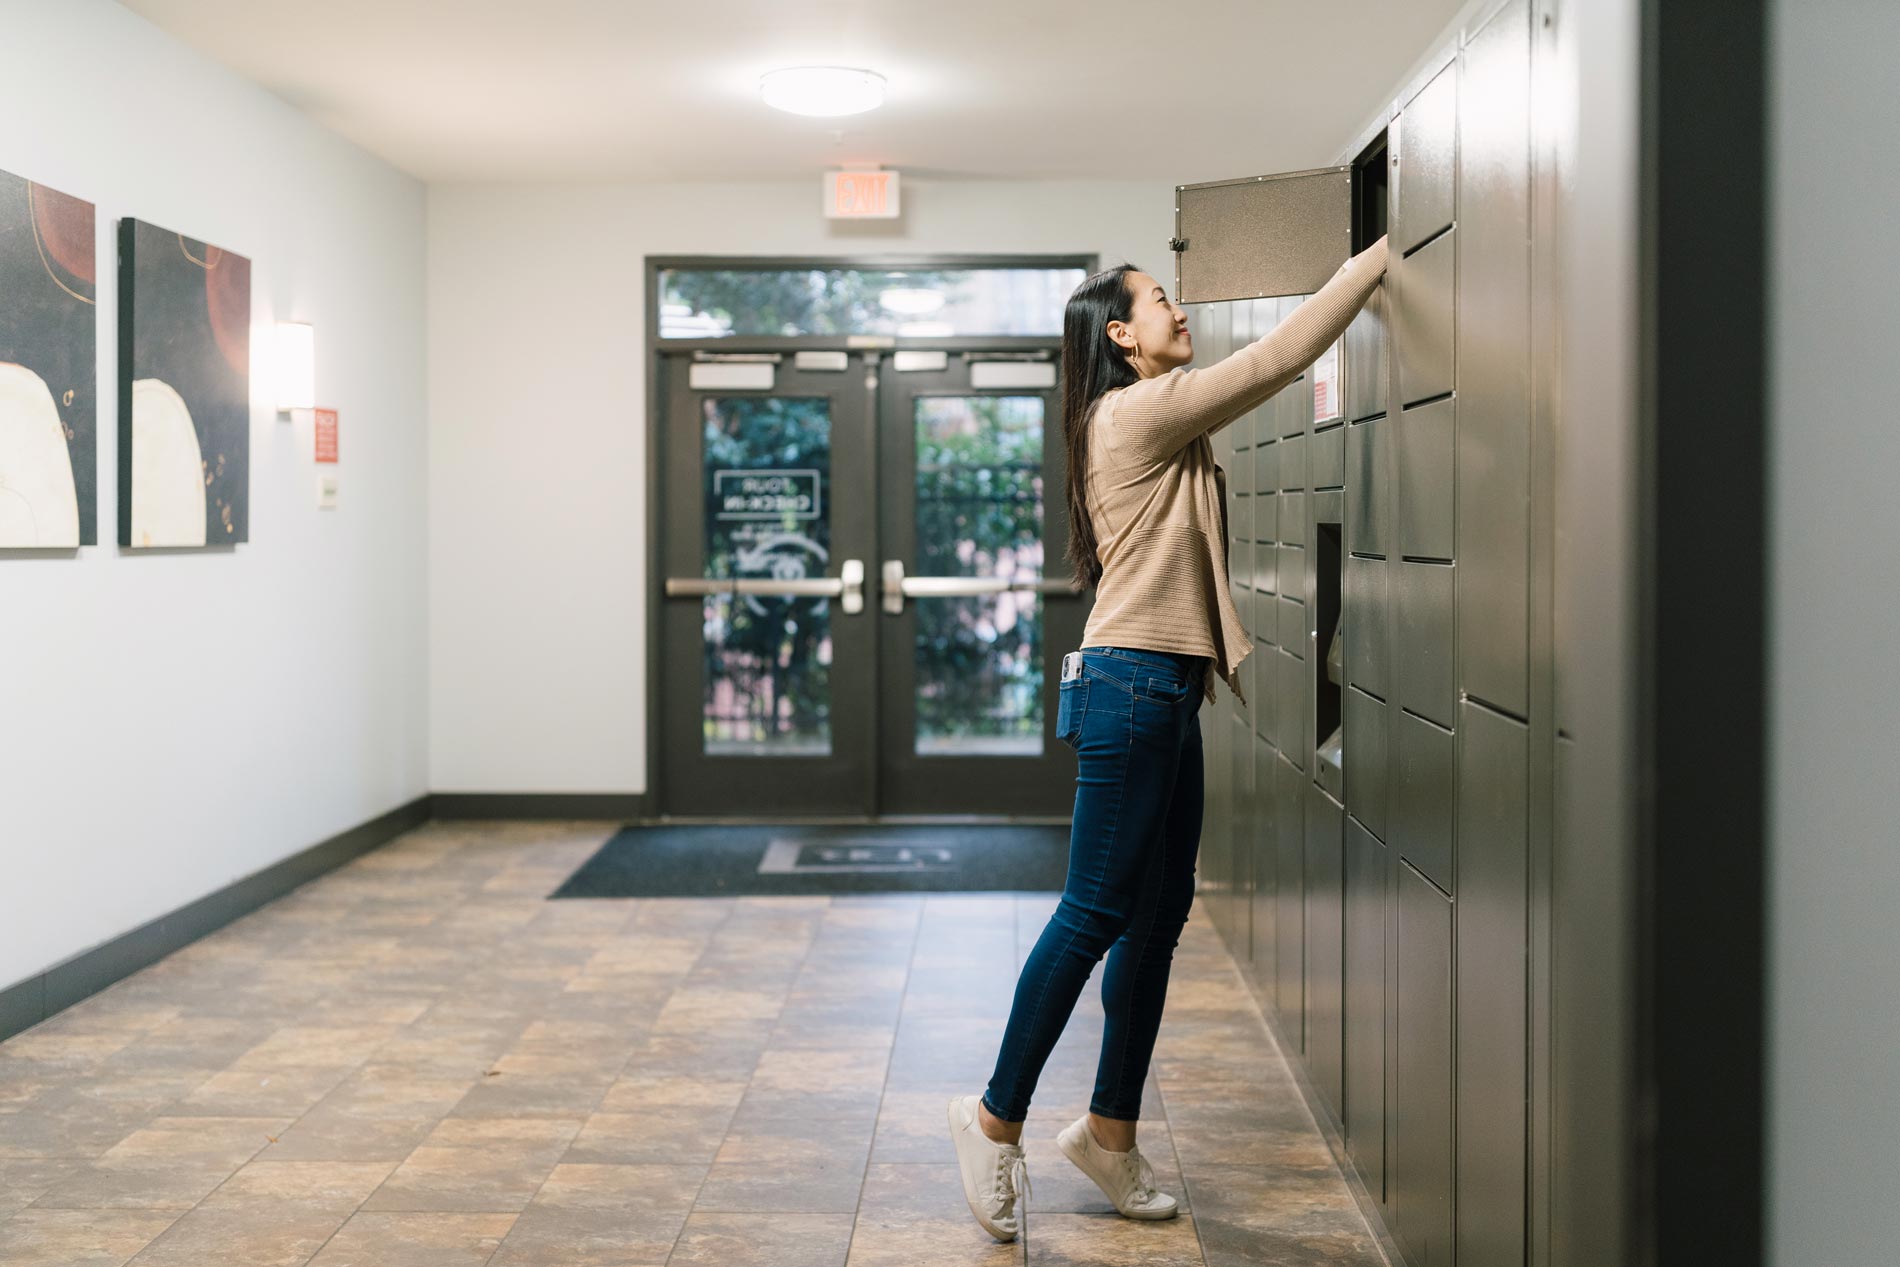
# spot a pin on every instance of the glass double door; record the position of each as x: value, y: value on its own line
x: 865, y: 591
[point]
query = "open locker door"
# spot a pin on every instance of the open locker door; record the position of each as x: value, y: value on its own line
x: 1261, y: 237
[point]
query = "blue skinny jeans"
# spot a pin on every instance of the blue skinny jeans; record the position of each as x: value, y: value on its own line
x: 1133, y: 717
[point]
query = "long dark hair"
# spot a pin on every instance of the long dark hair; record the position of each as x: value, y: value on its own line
x: 1092, y: 364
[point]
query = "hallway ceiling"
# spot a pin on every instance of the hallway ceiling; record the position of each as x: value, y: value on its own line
x: 657, y: 90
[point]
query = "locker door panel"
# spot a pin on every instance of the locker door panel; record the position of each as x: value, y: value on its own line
x: 1426, y: 198
x: 1364, y: 971
x: 1494, y: 365
x: 1426, y: 481
x: 1367, y: 462
x: 1423, y: 327
x: 1419, y: 1189
x: 1264, y: 843
x: 1422, y: 809
x: 1364, y: 356
x: 1367, y: 736
x: 1283, y: 234
x: 1239, y: 891
x: 1329, y: 458
x: 1289, y: 911
x: 1367, y: 653
x: 1325, y: 945
x: 1426, y: 680
x: 1493, y: 971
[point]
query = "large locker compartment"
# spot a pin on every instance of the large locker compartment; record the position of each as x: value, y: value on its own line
x: 1367, y: 853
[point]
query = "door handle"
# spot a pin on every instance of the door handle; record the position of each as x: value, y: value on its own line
x: 848, y: 585
x: 897, y: 587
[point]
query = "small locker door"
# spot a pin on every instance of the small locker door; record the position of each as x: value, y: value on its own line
x: 1261, y: 236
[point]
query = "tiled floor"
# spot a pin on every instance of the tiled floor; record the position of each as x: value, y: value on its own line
x: 419, y: 1060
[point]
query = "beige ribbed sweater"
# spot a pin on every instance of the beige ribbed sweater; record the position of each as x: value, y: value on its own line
x: 1158, y: 500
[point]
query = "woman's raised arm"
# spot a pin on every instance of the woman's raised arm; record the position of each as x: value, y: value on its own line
x: 1157, y: 416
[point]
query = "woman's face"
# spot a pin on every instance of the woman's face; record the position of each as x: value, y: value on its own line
x: 1155, y: 327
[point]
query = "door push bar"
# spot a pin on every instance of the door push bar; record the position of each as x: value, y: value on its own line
x: 897, y: 587
x: 848, y: 585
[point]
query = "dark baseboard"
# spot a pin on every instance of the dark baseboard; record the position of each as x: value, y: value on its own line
x: 59, y: 987
x: 625, y: 806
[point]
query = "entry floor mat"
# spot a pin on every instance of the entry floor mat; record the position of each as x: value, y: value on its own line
x: 711, y: 860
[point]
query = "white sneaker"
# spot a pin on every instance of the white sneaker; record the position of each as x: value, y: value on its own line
x: 1125, y: 1178
x: 994, y: 1175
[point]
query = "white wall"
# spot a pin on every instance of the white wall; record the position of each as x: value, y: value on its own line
x: 537, y: 390
x: 171, y: 722
x: 1834, y: 843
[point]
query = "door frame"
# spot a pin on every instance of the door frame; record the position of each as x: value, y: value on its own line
x: 653, y: 588
x: 932, y: 784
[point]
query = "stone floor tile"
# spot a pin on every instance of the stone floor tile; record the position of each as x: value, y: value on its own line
x: 253, y: 1237
x: 373, y: 1239
x: 763, y: 1240
x: 603, y: 1216
x: 669, y: 1134
x: 209, y: 1140
x: 795, y: 1142
x: 472, y: 1180
x: 23, y: 1180
x: 882, y: 1241
x: 325, y: 1187
x: 1109, y: 1240
x: 321, y: 1045
x: 336, y: 1134
x: 812, y: 1187
x: 1292, y: 1214
x: 139, y: 1183
x: 635, y: 1093
x: 79, y: 1238
x: 259, y: 1092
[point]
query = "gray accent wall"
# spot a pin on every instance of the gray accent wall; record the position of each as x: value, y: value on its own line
x: 1833, y: 1079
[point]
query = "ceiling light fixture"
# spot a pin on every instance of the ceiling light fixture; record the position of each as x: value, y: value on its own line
x: 822, y: 90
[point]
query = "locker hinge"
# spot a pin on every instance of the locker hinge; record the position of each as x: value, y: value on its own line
x: 1177, y: 245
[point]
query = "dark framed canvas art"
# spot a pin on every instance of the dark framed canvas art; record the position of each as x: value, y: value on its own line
x: 184, y: 390
x: 49, y: 357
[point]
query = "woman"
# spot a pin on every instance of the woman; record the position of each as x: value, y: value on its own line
x: 1149, y: 533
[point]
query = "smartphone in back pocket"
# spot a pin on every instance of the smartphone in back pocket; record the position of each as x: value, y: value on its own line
x: 1071, y: 666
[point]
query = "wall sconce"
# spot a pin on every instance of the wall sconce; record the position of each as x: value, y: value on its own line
x: 296, y: 374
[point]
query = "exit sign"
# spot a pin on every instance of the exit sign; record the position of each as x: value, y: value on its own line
x: 861, y: 195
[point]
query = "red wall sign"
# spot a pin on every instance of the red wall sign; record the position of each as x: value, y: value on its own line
x: 326, y: 434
